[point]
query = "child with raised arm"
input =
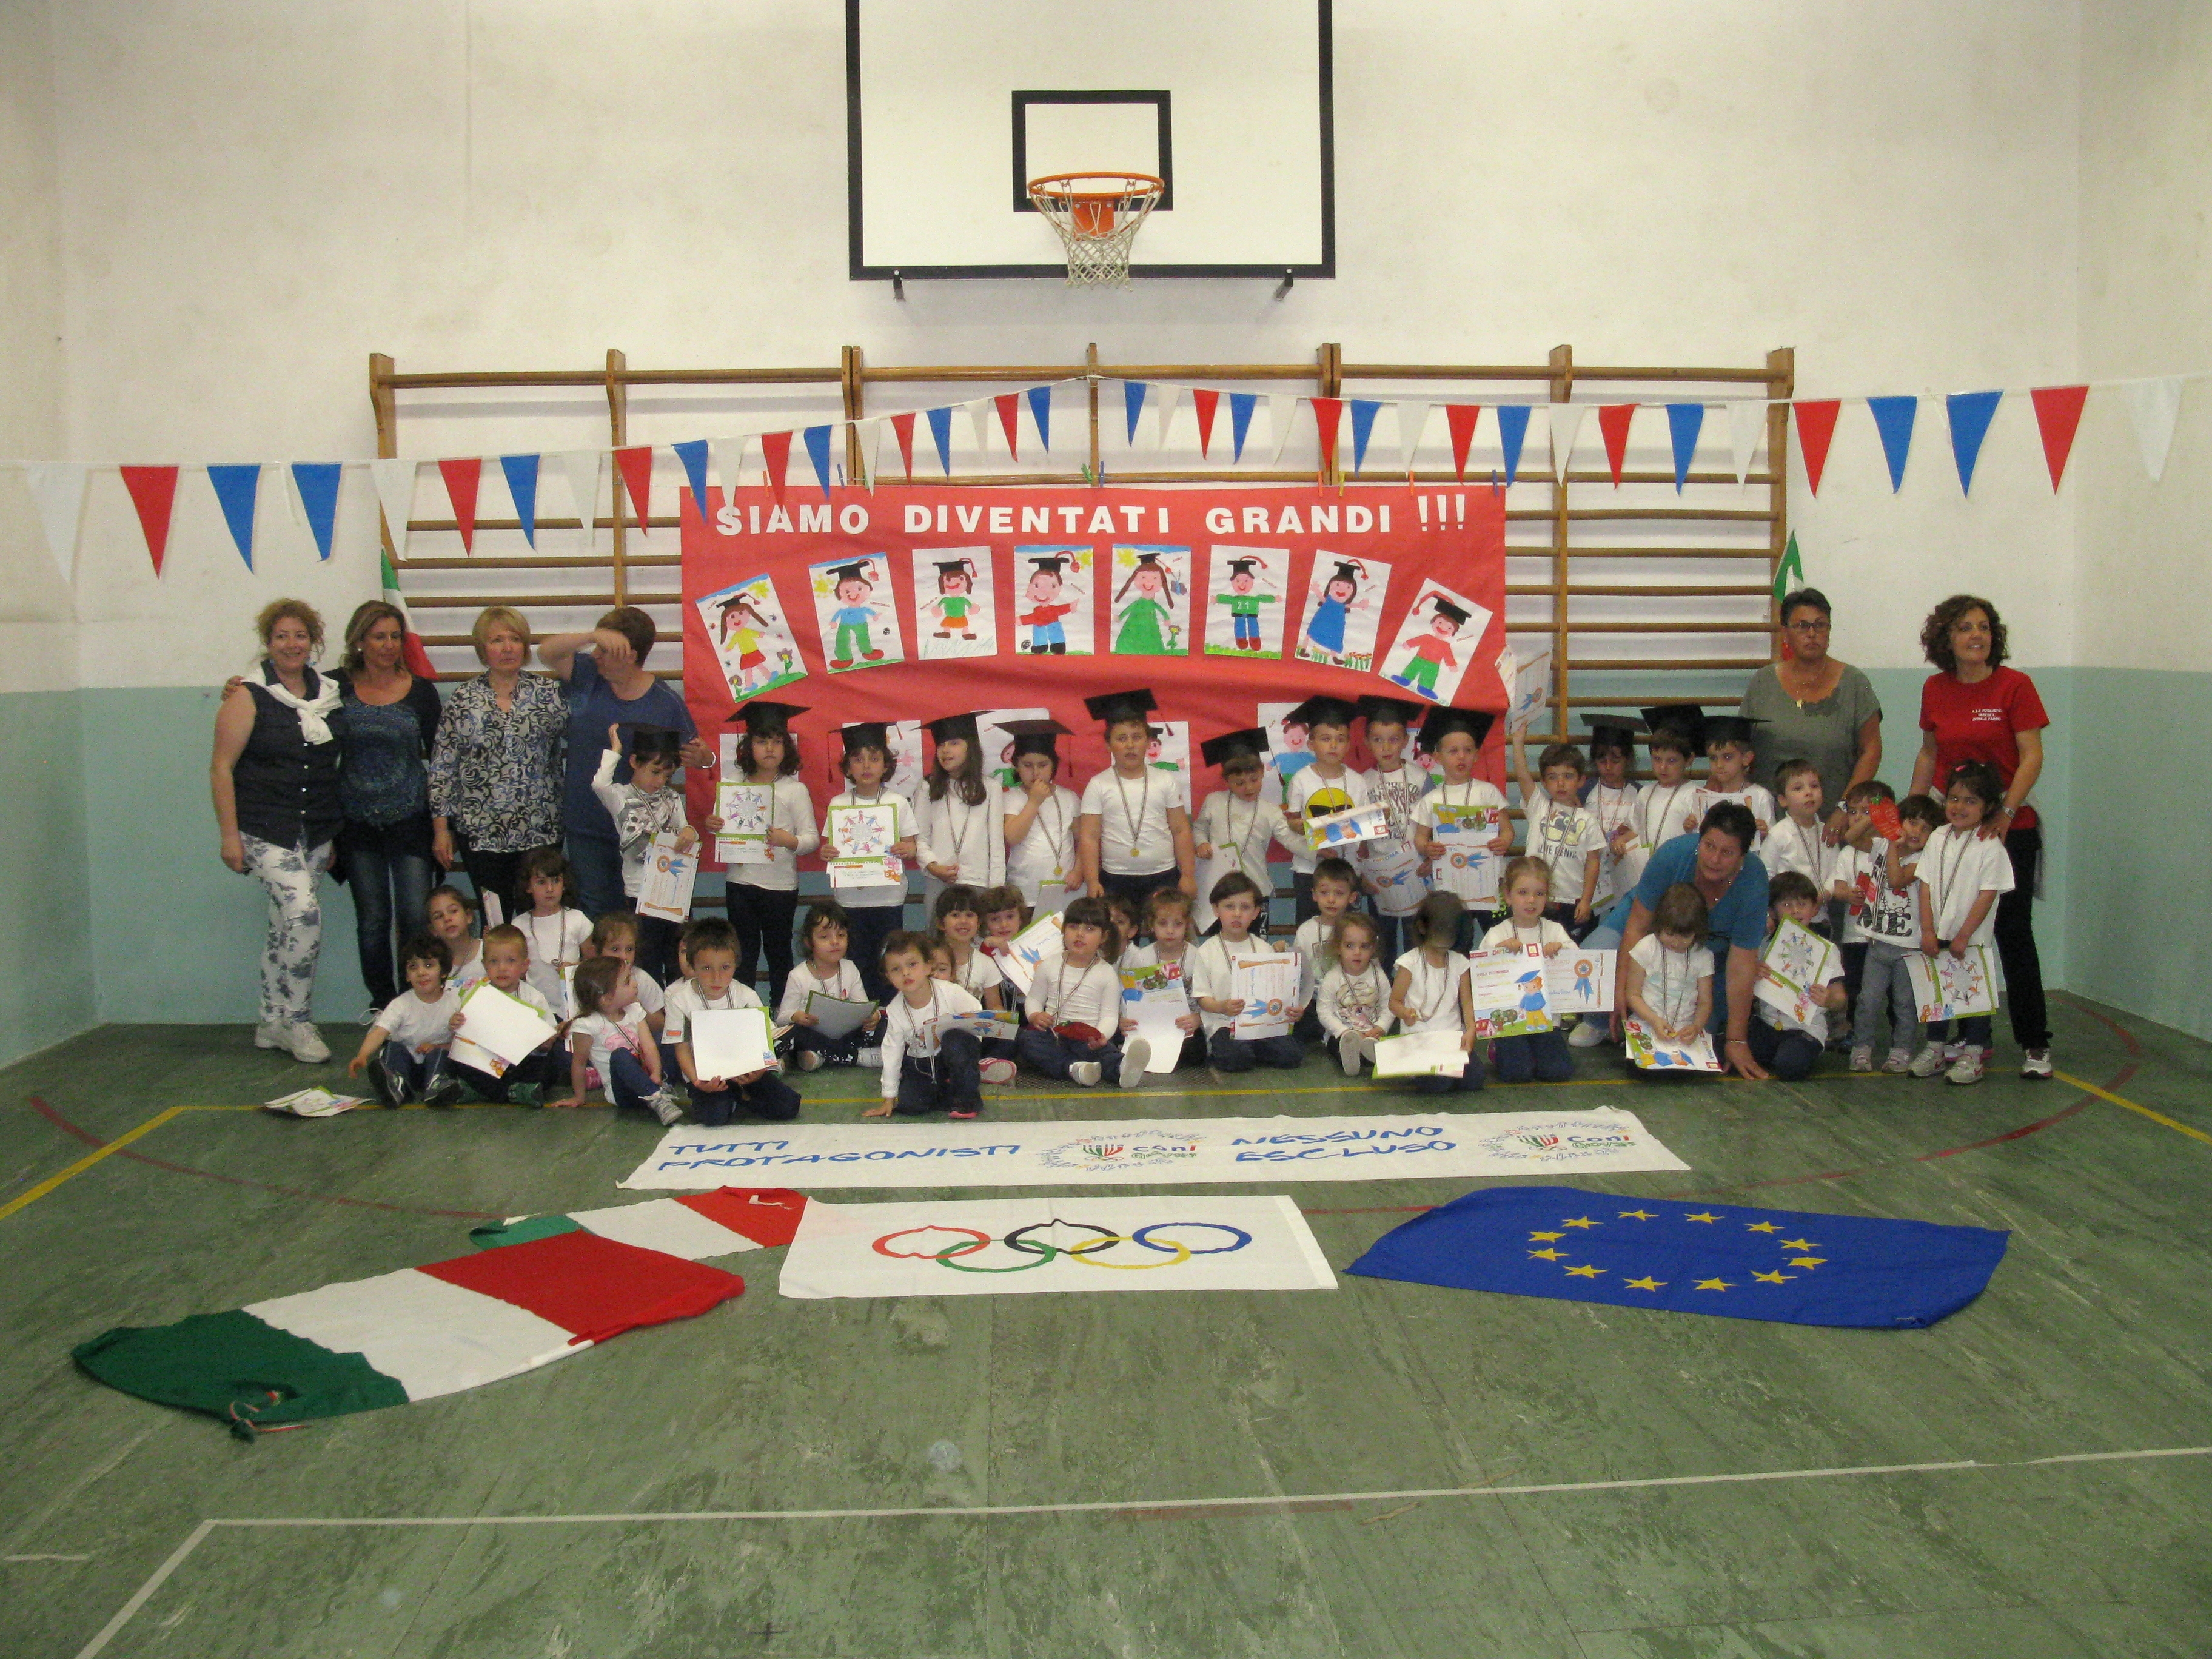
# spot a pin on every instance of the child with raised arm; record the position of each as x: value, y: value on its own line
x: 872, y: 912
x: 405, y: 1052
x: 1353, y: 999
x: 761, y: 896
x: 1667, y: 979
x: 1961, y: 873
x: 1325, y: 786
x: 645, y: 807
x: 1133, y: 828
x: 608, y: 1036
x: 1454, y: 737
x: 1237, y: 822
x: 1562, y: 832
x: 824, y: 936
x: 1211, y: 977
x: 1335, y: 884
x: 926, y: 1068
x: 1542, y: 1055
x: 1038, y: 815
x: 1072, y: 1030
x: 451, y: 912
x: 554, y: 930
x: 958, y: 822
x: 712, y: 946
x: 1168, y: 918
x: 1887, y: 918
x: 1429, y: 991
x: 1731, y: 746
x: 1390, y: 866
x: 1785, y: 1045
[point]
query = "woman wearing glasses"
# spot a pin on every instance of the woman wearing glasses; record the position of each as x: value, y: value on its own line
x: 1811, y: 706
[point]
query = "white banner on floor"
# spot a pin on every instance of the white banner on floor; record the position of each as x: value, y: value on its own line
x: 1021, y: 1246
x: 819, y: 1157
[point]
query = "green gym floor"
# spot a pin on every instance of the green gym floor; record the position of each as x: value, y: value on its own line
x: 1386, y: 1469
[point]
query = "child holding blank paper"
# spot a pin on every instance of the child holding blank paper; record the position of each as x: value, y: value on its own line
x: 716, y: 1097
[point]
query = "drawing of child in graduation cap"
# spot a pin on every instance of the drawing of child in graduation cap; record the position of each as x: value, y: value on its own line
x: 1242, y: 602
x: 1331, y: 612
x: 955, y: 597
x: 1047, y: 607
x: 1148, y: 626
x: 1432, y: 652
x: 854, y: 615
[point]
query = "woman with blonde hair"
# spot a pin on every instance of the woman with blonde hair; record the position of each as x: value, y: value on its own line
x: 496, y: 768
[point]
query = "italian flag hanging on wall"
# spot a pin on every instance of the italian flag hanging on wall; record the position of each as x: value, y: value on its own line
x: 417, y: 659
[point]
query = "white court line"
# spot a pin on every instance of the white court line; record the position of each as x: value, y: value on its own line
x: 1275, y: 1501
x: 45, y: 1558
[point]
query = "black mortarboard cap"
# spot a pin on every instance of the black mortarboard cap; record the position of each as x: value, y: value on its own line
x: 657, y: 741
x: 766, y: 718
x: 1686, y: 720
x: 1336, y: 711
x: 1243, y: 566
x: 1455, y: 614
x: 1034, y: 736
x: 1730, y: 728
x: 867, y: 734
x: 1347, y: 570
x: 1219, y: 752
x: 1443, y: 722
x: 1051, y: 562
x: 955, y: 567
x: 1403, y: 710
x: 855, y: 572
x: 1615, y: 731
x: 1121, y: 705
x: 953, y: 725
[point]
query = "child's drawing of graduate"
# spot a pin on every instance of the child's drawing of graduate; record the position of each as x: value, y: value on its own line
x: 1241, y: 604
x: 1429, y: 651
x: 954, y: 598
x: 1324, y: 637
x: 851, y: 613
x: 751, y: 639
x: 1047, y: 604
x: 1144, y: 612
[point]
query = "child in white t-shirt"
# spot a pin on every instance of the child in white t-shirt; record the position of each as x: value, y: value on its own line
x: 1429, y: 990
x: 1213, y: 978
x: 1072, y: 1030
x: 1169, y: 918
x: 405, y: 1052
x: 1885, y: 916
x: 1562, y: 832
x: 1730, y: 750
x: 646, y: 808
x: 927, y: 1066
x: 1662, y: 804
x: 1796, y: 842
x: 1541, y: 1056
x: 608, y: 1036
x: 823, y: 970
x: 1235, y: 824
x: 873, y: 913
x: 1454, y: 739
x: 710, y: 945
x: 1391, y: 869
x: 1326, y: 785
x: 1785, y: 1045
x: 1611, y: 797
x: 959, y: 917
x: 553, y: 928
x: 1038, y: 815
x: 1962, y: 873
x: 1335, y: 884
x: 506, y: 971
x: 1667, y: 977
x: 1353, y: 999
x: 451, y: 911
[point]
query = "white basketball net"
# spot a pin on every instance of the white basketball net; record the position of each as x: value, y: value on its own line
x: 1097, y: 217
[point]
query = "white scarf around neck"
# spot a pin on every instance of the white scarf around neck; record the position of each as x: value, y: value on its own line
x: 314, y: 724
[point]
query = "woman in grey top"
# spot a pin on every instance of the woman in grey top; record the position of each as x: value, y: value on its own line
x: 1811, y: 706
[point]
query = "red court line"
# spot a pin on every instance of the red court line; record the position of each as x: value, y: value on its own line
x: 89, y: 1139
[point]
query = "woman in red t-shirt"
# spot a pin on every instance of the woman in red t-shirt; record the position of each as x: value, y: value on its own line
x: 1975, y: 708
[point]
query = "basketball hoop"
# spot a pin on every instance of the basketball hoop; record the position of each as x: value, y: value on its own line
x: 1097, y: 216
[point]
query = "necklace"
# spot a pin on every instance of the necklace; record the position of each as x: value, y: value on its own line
x: 1243, y: 843
x: 1136, y: 819
x: 1423, y: 1015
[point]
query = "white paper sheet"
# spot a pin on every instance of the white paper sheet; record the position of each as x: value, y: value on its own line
x: 1331, y: 831
x: 1156, y: 998
x: 730, y: 1042
x: 496, y: 1022
x: 1421, y: 1054
x: 835, y: 1018
x: 1040, y: 939
x: 1268, y: 987
x: 1579, y: 981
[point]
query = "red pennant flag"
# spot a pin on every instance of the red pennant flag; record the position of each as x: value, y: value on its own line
x: 1205, y: 403
x: 1461, y: 418
x: 1613, y: 421
x: 1816, y: 425
x: 2058, y: 416
x: 461, y: 478
x: 153, y: 492
x: 1010, y: 421
x: 635, y: 466
x: 1327, y: 412
x: 902, y: 429
x: 776, y: 455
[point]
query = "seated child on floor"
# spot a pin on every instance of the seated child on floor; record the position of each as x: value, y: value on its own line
x: 405, y: 1052
x: 1786, y: 1046
x: 506, y: 967
x: 1168, y: 914
x: 711, y: 949
x: 926, y: 1068
x: 609, y: 1036
x: 823, y: 970
x: 1667, y: 977
x: 1236, y: 899
x: 451, y: 913
x: 1352, y: 1001
x: 1430, y: 991
x: 1073, y: 1029
x: 1542, y: 1055
x: 959, y: 917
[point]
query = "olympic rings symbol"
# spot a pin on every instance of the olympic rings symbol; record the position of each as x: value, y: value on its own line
x: 1175, y: 1251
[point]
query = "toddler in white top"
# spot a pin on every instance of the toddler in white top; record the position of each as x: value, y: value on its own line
x: 1541, y: 1056
x: 1962, y: 874
x: 609, y: 1036
x: 824, y: 936
x: 1562, y: 832
x: 928, y: 1065
x: 1334, y: 884
x: 405, y: 1052
x: 646, y: 807
x: 1429, y: 989
x: 711, y: 948
x: 1168, y: 914
x: 1352, y: 1001
x: 555, y: 931
x: 450, y: 912
x: 1667, y: 977
x: 1072, y: 1030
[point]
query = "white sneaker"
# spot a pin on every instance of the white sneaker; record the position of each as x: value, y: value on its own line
x: 1085, y: 1073
x: 665, y: 1105
x: 1899, y: 1061
x: 1136, y: 1054
x: 1591, y: 1032
x: 1862, y: 1059
x: 997, y: 1071
x: 266, y: 1036
x: 1968, y: 1067
x: 306, y: 1044
x: 1933, y: 1057
x: 2036, y: 1064
x: 809, y: 1059
x: 1350, y: 1050
x: 871, y: 1056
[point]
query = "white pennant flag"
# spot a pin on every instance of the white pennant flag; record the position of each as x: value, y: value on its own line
x: 2154, y: 406
x: 582, y: 467
x: 1411, y: 419
x: 1282, y: 410
x: 728, y: 455
x: 1566, y: 427
x: 58, y: 487
x: 1170, y: 401
x: 984, y: 413
x: 1747, y: 431
x: 395, y: 494
x: 875, y: 450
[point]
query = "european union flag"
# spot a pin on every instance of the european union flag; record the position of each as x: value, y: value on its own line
x: 1788, y: 1265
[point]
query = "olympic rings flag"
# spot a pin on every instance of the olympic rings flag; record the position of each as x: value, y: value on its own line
x: 1016, y: 1246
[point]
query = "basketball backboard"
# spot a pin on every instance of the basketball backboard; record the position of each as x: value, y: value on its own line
x: 952, y: 106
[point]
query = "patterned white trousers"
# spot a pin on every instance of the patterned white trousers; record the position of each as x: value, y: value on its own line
x: 295, y: 926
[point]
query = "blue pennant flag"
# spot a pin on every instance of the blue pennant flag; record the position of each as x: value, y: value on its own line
x: 237, y: 488
x: 1971, y: 412
x: 1894, y: 418
x: 1133, y: 403
x: 1241, y: 405
x: 1791, y: 1265
x: 940, y: 430
x: 693, y: 457
x: 522, y: 484
x: 1512, y: 432
x: 1363, y: 427
x: 1684, y: 422
x: 817, y: 438
x: 318, y: 484
x: 1040, y: 411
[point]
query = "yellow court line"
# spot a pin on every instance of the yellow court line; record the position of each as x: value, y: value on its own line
x: 88, y: 1160
x: 2116, y: 1100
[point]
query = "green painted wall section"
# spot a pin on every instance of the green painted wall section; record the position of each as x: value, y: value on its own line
x: 46, y: 937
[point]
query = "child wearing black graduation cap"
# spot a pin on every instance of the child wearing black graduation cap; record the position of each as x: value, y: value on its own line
x: 1038, y: 813
x: 1454, y: 737
x: 647, y: 805
x: 1235, y: 824
x: 1611, y: 795
x: 1731, y: 746
x: 763, y: 897
x: 1133, y: 824
x: 1325, y: 786
x: 872, y: 914
x: 957, y: 819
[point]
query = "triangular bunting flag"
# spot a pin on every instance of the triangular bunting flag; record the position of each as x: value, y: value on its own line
x: 1204, y: 404
x: 693, y: 455
x: 940, y: 431
x: 1566, y: 427
x: 1412, y: 421
x: 461, y: 478
x: 395, y: 495
x: 1816, y: 427
x: 1893, y: 418
x: 775, y: 461
x: 1683, y: 423
x: 317, y: 483
x: 1132, y: 405
x: 2057, y: 417
x: 153, y: 493
x: 1747, y: 431
x: 635, y: 466
x: 1612, y: 424
x: 522, y: 484
x: 582, y: 468
x: 1282, y: 413
x: 817, y: 438
x: 1512, y: 435
x: 876, y: 453
x: 239, y: 488
x: 980, y: 412
x: 1241, y: 405
x: 1166, y: 404
x: 1009, y: 405
x: 902, y: 429
x: 57, y: 488
x: 728, y: 456
x: 1363, y: 410
x: 1040, y: 411
x: 1971, y: 413
x: 417, y: 659
x: 1327, y: 413
x: 1461, y: 419
x: 2154, y: 406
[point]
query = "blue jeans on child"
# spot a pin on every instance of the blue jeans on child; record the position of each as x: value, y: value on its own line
x: 628, y: 1083
x: 1543, y: 1058
x: 1229, y: 1053
x: 1975, y: 1031
x: 1052, y: 1054
x: 1882, y: 977
x: 766, y: 1096
x: 946, y: 1082
x: 413, y: 1072
x: 870, y: 926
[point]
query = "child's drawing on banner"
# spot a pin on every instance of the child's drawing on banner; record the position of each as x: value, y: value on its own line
x: 1053, y: 608
x: 998, y: 742
x: 1286, y: 744
x: 1170, y: 749
x: 853, y: 608
x: 1151, y: 613
x: 1344, y: 608
x: 752, y: 639
x: 1240, y: 583
x: 1435, y: 642
x: 955, y: 613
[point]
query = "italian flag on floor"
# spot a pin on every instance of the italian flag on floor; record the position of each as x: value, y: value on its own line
x: 556, y: 1286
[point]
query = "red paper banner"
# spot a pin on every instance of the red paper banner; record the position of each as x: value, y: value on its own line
x: 940, y: 601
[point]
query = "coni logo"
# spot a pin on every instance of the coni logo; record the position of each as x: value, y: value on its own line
x: 1121, y: 1153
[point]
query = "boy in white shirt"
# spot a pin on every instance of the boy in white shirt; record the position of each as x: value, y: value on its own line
x: 405, y: 1052
x: 642, y: 809
x: 1390, y: 867
x: 1562, y: 832
x: 506, y: 967
x: 1038, y: 815
x: 1335, y: 884
x: 872, y: 912
x: 926, y: 1068
x: 1886, y: 917
x: 711, y: 946
x: 1454, y: 737
x: 1677, y: 737
x: 1353, y: 999
x: 1325, y: 786
x: 1235, y: 824
x: 1212, y: 975
x: 1133, y: 825
x: 1731, y: 746
x: 1962, y: 873
x: 1611, y: 795
x: 1784, y: 1045
x: 1796, y: 842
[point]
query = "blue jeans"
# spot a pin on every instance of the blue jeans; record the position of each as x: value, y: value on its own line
x: 945, y: 1081
x: 595, y: 865
x: 1975, y: 1031
x: 390, y: 884
x: 766, y: 1096
x: 871, y: 925
x: 1543, y: 1057
x: 1883, y: 978
x: 1052, y: 1055
x: 627, y: 1082
x: 413, y: 1072
x: 1229, y: 1053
